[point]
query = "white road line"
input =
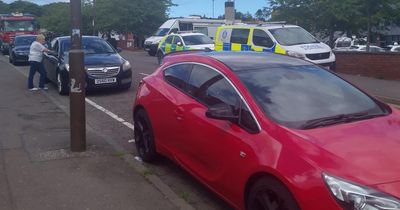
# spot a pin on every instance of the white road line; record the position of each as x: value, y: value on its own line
x: 144, y: 74
x: 112, y: 115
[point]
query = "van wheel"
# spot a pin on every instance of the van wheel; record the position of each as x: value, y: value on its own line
x: 160, y: 57
x: 270, y: 194
x: 144, y: 137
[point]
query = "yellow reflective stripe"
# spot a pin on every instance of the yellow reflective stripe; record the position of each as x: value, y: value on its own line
x: 218, y: 47
x: 179, y: 48
x: 236, y: 47
x: 167, y: 48
x: 279, y: 50
x: 257, y: 49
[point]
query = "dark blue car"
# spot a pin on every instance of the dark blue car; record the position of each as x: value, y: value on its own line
x: 104, y: 67
x: 19, y: 48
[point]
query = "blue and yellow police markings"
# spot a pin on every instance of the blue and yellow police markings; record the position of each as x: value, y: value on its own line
x: 245, y: 47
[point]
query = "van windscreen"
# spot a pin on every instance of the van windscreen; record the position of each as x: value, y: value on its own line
x: 292, y: 36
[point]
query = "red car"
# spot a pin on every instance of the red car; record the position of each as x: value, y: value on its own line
x: 267, y: 131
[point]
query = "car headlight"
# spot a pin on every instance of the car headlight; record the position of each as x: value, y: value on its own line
x: 355, y: 197
x: 126, y: 66
x: 296, y: 54
x: 67, y: 66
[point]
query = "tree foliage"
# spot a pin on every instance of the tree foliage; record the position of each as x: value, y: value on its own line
x: 56, y: 18
x: 327, y: 17
x: 25, y: 7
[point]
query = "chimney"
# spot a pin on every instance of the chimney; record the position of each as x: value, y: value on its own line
x: 229, y: 12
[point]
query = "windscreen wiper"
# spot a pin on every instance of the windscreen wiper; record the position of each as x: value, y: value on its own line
x: 342, y: 118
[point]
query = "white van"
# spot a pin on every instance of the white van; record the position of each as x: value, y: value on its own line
x: 291, y: 40
x: 195, y: 24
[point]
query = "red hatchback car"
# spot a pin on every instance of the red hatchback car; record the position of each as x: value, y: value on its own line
x: 267, y: 131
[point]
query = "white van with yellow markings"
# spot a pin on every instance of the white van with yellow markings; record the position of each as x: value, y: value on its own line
x: 183, y: 41
x: 291, y: 40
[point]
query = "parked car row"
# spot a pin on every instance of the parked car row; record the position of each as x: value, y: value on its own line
x: 271, y: 37
x: 104, y: 67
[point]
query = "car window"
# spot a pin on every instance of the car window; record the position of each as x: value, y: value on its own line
x: 197, y: 40
x: 169, y: 40
x: 294, y: 95
x: 261, y: 38
x: 292, y: 36
x: 397, y: 49
x: 53, y: 44
x: 240, y: 36
x: 211, y: 88
x: 90, y: 46
x: 55, y: 48
x: 178, y: 75
x: 24, y: 41
x: 176, y: 40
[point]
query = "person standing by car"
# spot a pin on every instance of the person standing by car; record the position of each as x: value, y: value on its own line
x: 35, y: 60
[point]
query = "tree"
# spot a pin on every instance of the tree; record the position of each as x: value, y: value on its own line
x: 327, y: 17
x: 25, y: 7
x: 3, y: 7
x: 56, y: 18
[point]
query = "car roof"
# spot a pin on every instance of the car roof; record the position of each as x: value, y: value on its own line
x: 26, y: 35
x: 242, y: 61
x: 266, y: 26
x: 191, y: 34
x: 63, y: 38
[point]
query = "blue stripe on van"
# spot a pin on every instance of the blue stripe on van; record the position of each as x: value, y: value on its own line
x: 227, y: 47
x: 245, y: 47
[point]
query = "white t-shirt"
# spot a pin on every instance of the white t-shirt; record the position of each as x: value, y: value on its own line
x: 36, y: 52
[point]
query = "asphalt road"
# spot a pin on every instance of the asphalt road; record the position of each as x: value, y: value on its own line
x: 119, y: 105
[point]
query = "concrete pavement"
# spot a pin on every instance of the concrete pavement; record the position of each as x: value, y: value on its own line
x: 37, y: 171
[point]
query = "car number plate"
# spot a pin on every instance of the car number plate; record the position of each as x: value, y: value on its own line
x: 105, y: 80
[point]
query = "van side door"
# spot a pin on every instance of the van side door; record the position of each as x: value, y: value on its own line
x: 240, y: 39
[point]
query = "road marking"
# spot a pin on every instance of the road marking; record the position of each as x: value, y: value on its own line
x: 144, y: 74
x: 109, y: 113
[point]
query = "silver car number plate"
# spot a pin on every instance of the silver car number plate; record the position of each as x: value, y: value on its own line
x: 105, y: 80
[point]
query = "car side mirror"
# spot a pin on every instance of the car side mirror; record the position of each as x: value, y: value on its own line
x: 222, y: 111
x: 119, y: 49
x: 179, y: 44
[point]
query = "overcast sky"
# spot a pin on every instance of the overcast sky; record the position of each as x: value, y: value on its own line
x: 194, y: 7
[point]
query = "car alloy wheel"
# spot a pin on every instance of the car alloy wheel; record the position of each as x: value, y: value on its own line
x: 269, y: 194
x: 144, y: 138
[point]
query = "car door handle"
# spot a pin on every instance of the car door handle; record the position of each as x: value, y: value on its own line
x: 179, y: 113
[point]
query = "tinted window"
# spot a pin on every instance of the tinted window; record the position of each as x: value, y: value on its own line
x: 240, y: 36
x: 161, y: 32
x: 197, y: 40
x: 176, y: 40
x: 90, y: 46
x: 261, y: 38
x: 178, y: 75
x: 169, y: 40
x: 397, y: 49
x: 24, y: 40
x: 211, y: 88
x: 294, y: 95
x: 292, y: 36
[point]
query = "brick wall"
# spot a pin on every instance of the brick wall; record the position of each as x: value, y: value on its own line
x: 378, y: 65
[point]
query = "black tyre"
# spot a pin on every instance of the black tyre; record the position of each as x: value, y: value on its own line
x: 160, y: 57
x: 151, y: 53
x: 270, y: 194
x: 144, y: 137
x: 62, y: 85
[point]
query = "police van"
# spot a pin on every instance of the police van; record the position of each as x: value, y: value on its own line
x: 192, y: 23
x: 278, y: 38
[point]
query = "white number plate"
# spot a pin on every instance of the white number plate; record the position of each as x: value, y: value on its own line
x: 105, y: 80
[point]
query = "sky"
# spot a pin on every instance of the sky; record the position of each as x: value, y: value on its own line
x: 195, y: 7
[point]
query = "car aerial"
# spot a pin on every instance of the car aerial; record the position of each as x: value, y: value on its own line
x: 278, y: 38
x: 183, y: 42
x: 19, y: 48
x: 104, y: 67
x: 268, y: 131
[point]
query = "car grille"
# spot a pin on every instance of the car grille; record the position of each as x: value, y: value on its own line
x: 103, y: 72
x: 318, y: 56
